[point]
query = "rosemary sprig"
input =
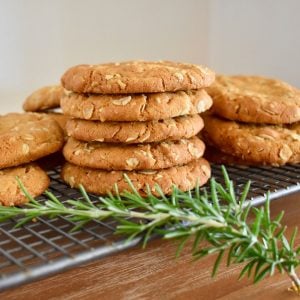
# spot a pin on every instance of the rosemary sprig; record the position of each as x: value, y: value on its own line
x: 217, y: 217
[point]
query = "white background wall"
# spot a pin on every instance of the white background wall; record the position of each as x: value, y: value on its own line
x: 40, y: 39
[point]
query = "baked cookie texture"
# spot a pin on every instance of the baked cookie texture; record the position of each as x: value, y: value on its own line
x: 61, y: 120
x: 185, y: 177
x: 133, y: 157
x: 27, y: 137
x: 45, y: 98
x: 260, y: 144
x: 135, y: 132
x: 136, y: 77
x: 34, y: 179
x: 139, y: 107
x: 255, y: 99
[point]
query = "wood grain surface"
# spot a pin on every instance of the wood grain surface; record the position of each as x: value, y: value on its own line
x: 154, y: 273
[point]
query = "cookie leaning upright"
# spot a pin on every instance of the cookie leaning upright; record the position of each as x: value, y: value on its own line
x: 135, y: 118
x: 255, y: 120
x: 45, y: 100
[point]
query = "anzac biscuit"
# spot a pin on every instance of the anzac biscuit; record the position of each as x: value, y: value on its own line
x: 133, y: 157
x: 185, y: 177
x: 139, y: 107
x: 27, y: 137
x: 255, y: 99
x: 135, y: 132
x: 45, y: 98
x: 136, y: 77
x: 259, y: 144
x: 34, y: 179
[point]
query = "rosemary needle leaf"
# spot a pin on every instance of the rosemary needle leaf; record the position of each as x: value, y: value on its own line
x: 217, y: 263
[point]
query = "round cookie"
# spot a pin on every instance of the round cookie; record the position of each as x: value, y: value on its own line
x: 140, y: 107
x: 255, y: 99
x: 27, y: 137
x: 47, y: 97
x: 136, y: 77
x: 135, y: 132
x: 133, y: 157
x: 185, y: 177
x: 33, y: 178
x: 259, y: 144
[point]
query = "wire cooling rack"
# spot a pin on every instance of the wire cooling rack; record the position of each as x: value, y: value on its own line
x: 46, y: 247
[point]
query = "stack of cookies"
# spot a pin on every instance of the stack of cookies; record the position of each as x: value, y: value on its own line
x: 25, y: 138
x: 135, y: 118
x: 253, y: 121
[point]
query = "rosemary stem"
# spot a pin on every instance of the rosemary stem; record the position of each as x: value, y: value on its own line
x: 295, y: 279
x: 189, y: 218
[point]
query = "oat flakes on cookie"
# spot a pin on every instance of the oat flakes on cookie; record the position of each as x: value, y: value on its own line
x: 139, y: 107
x: 136, y: 77
x: 34, y: 179
x: 259, y: 144
x: 135, y: 132
x: 27, y: 137
x: 255, y: 99
x: 45, y: 98
x: 185, y: 177
x: 133, y: 157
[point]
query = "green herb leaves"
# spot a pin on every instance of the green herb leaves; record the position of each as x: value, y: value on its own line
x: 217, y: 216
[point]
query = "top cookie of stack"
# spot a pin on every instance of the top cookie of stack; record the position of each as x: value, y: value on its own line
x: 254, y: 120
x: 137, y: 116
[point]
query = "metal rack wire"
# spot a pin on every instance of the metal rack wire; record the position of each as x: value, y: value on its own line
x: 46, y: 247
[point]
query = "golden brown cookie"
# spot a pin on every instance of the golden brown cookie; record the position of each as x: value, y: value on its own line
x: 135, y: 132
x: 255, y: 99
x: 185, y: 177
x: 136, y: 77
x: 45, y: 98
x: 27, y: 137
x: 33, y: 178
x: 61, y: 119
x: 260, y: 144
x: 133, y: 157
x: 139, y: 107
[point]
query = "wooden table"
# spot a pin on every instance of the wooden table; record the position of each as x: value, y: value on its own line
x: 153, y: 273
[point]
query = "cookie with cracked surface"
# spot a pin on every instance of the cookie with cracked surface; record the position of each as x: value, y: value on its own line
x: 185, y: 177
x: 135, y: 132
x: 33, y: 178
x: 133, y: 157
x: 27, y: 137
x: 259, y: 144
x: 45, y: 98
x: 135, y: 107
x: 136, y: 77
x: 255, y: 99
